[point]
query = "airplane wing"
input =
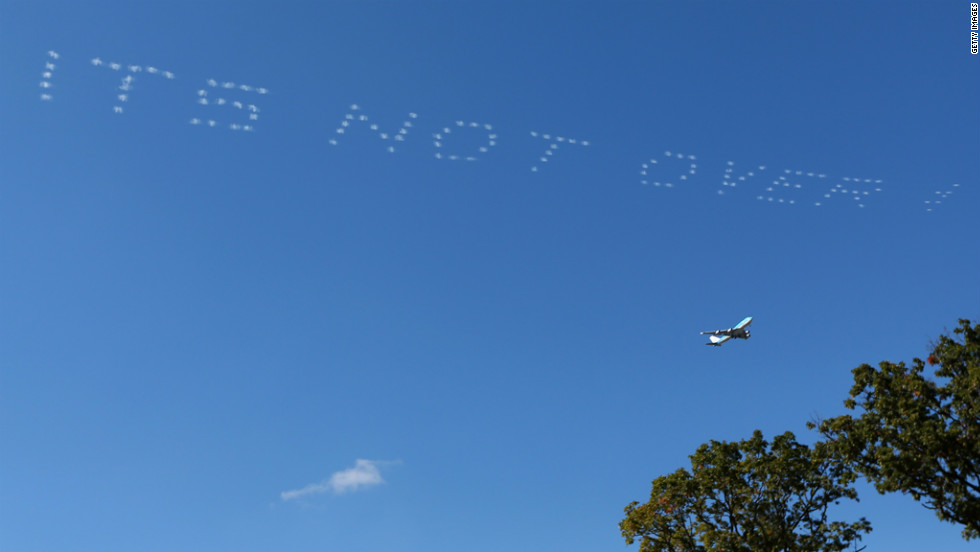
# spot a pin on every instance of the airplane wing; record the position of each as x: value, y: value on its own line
x: 718, y: 332
x: 718, y: 340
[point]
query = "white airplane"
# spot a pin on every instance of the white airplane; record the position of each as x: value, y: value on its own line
x: 738, y: 332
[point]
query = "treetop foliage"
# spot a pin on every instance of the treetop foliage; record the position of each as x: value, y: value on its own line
x: 747, y: 496
x: 917, y: 435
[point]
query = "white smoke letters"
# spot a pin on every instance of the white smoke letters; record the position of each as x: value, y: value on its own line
x: 231, y: 105
x: 354, y: 115
x: 126, y: 82
x: 249, y: 112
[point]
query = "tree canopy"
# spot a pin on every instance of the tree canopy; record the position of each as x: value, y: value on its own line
x: 747, y: 496
x: 917, y: 435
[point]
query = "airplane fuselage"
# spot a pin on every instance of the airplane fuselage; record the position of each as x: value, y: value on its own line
x: 740, y: 331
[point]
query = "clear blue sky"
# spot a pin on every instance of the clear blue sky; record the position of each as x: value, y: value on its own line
x: 255, y: 340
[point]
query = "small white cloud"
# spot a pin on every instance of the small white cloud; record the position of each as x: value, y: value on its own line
x: 365, y: 473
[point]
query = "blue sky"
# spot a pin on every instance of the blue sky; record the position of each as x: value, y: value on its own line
x: 259, y: 339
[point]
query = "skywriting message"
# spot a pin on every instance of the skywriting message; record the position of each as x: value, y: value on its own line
x: 235, y: 106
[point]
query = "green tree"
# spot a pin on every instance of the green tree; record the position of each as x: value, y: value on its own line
x: 919, y: 436
x: 747, y: 496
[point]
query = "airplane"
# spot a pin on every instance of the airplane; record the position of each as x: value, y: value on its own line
x: 738, y: 332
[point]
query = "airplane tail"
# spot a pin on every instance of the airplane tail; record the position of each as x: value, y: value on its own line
x: 717, y: 340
